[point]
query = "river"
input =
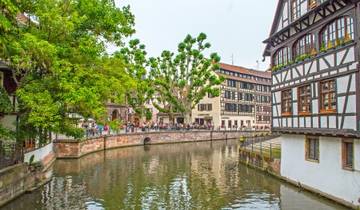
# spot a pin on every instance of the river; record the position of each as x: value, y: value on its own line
x: 203, y: 175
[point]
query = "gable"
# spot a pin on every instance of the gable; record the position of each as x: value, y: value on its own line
x: 283, y: 18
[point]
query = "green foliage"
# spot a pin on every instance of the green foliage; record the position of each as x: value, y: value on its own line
x: 302, y: 57
x: 148, y: 115
x: 5, y: 104
x: 6, y: 134
x: 58, y: 54
x: 184, y: 78
x: 115, y: 125
x: 136, y: 64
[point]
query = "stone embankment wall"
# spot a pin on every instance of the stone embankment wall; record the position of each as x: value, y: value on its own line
x: 18, y: 179
x: 270, y: 165
x: 76, y: 149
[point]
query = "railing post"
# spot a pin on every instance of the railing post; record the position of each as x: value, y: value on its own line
x: 260, y: 147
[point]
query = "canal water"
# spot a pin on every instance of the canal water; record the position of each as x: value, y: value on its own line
x: 178, y: 176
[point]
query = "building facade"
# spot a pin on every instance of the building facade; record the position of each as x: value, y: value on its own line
x: 314, y: 51
x: 244, y: 101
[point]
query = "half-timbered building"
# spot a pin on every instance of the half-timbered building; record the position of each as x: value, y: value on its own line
x: 243, y: 103
x: 314, y: 50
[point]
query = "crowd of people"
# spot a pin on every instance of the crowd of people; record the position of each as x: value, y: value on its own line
x: 91, y: 128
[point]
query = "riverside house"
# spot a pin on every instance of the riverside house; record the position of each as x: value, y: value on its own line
x: 314, y: 49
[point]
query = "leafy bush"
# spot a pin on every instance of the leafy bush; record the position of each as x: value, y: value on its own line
x: 5, y: 104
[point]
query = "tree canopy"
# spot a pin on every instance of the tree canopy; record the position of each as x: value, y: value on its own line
x: 57, y: 51
x: 137, y: 64
x: 184, y: 78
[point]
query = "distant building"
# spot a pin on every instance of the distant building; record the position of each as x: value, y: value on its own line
x: 244, y: 101
x: 314, y: 48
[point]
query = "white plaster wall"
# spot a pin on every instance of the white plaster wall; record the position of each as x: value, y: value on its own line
x: 214, y: 113
x: 39, y: 154
x: 327, y: 175
x: 238, y: 118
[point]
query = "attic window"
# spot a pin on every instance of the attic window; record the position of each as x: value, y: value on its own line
x: 295, y: 9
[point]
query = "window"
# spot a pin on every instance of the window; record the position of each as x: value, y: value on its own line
x: 227, y: 94
x: 295, y: 9
x: 304, y: 100
x: 230, y: 107
x: 204, y: 107
x: 286, y: 102
x: 231, y: 83
x: 222, y: 123
x: 348, y: 154
x: 327, y: 97
x: 229, y: 124
x: 340, y: 30
x: 248, y: 97
x: 240, y: 96
x: 282, y: 56
x: 304, y: 45
x: 312, y: 148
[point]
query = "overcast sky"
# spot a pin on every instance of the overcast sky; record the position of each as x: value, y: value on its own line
x: 234, y: 27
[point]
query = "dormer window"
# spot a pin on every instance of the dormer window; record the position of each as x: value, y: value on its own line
x: 337, y: 32
x: 304, y: 45
x: 295, y: 9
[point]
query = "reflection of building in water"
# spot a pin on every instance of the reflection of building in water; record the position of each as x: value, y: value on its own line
x: 65, y: 193
x: 213, y: 167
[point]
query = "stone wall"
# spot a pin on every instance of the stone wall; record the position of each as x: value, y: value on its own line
x: 76, y: 149
x: 18, y: 179
x: 258, y: 161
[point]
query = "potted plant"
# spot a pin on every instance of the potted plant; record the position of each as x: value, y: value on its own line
x: 313, y: 52
x: 322, y: 48
x: 347, y: 38
x: 337, y: 42
x: 330, y: 45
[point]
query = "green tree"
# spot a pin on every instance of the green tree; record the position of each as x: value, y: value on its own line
x: 185, y: 78
x: 57, y: 50
x: 136, y: 64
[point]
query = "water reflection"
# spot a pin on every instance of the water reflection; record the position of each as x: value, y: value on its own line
x: 179, y: 176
